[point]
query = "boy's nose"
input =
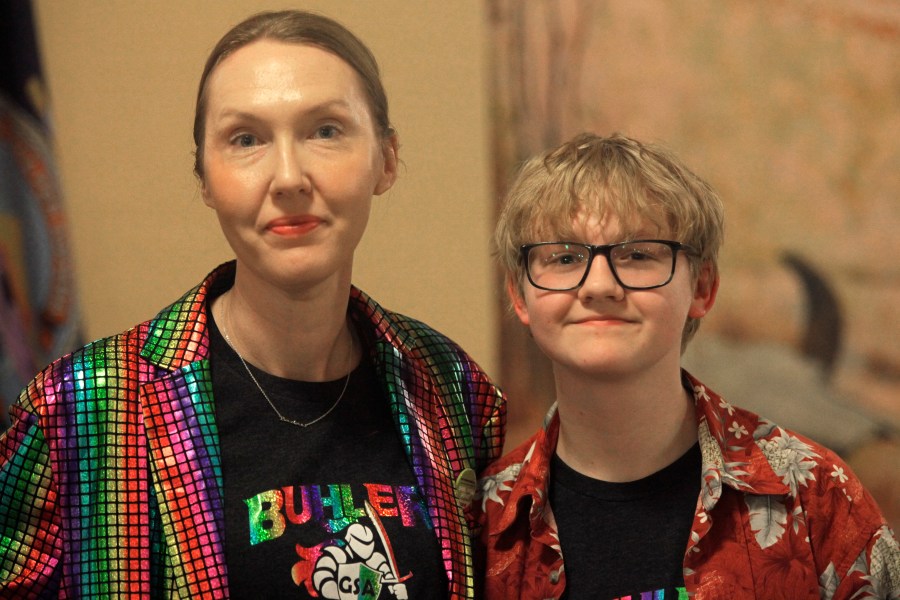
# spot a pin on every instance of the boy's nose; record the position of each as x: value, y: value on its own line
x: 600, y: 281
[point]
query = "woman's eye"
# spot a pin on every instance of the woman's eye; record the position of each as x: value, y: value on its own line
x: 244, y: 140
x: 327, y: 132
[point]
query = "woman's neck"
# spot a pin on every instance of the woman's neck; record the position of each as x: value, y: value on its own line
x: 297, y: 335
x: 624, y: 430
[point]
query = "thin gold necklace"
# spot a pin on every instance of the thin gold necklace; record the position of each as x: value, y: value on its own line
x: 281, y: 417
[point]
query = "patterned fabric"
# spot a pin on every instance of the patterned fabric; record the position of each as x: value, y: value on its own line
x: 110, y: 476
x: 778, y: 517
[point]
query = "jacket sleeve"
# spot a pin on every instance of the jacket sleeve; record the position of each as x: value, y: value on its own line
x: 490, y: 422
x: 30, y: 545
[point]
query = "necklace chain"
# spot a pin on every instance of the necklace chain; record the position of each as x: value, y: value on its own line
x: 281, y: 417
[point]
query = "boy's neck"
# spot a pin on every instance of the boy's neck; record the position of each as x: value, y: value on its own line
x: 623, y: 430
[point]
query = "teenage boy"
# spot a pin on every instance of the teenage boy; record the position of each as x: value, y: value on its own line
x: 644, y: 483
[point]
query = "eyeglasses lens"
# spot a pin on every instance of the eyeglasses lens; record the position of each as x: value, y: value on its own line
x: 638, y: 265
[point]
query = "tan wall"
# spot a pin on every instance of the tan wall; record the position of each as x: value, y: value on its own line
x: 123, y: 76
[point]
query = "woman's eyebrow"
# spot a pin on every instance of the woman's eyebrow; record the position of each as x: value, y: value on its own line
x: 313, y: 109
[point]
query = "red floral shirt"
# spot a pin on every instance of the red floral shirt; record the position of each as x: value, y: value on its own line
x: 778, y: 516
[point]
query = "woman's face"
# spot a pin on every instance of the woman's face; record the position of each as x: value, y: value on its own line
x: 291, y: 161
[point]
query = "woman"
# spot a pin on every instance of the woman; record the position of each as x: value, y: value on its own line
x: 275, y: 431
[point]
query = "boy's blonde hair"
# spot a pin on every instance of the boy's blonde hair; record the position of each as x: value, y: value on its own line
x: 594, y: 176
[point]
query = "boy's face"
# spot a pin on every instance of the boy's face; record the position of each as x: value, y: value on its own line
x: 604, y: 331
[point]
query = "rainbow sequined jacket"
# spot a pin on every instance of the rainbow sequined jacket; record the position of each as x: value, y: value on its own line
x: 110, y: 476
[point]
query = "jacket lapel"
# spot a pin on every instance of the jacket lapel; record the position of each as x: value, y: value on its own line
x: 432, y: 436
x: 185, y: 465
x: 184, y: 454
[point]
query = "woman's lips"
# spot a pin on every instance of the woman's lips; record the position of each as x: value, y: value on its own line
x: 293, y: 226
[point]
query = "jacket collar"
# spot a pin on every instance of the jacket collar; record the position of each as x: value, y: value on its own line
x: 179, y: 335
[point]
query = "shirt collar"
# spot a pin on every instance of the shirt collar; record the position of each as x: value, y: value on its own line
x: 730, y: 457
x: 528, y: 480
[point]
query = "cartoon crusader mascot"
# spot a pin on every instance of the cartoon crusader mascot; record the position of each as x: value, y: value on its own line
x: 357, y: 570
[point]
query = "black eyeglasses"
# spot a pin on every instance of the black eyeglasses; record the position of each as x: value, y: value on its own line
x: 636, y: 265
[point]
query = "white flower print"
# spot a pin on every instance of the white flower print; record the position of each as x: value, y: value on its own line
x: 692, y: 546
x: 491, y: 486
x: 738, y: 430
x: 764, y: 429
x: 768, y: 517
x: 792, y: 459
x: 732, y: 473
x: 556, y: 546
x: 881, y: 571
x: 723, y: 404
x: 828, y: 582
x: 838, y: 474
x: 700, y: 393
x: 884, y: 554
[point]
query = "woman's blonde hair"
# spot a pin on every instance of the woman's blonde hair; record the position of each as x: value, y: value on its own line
x: 592, y: 176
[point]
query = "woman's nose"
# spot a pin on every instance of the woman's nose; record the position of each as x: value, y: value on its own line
x: 289, y: 175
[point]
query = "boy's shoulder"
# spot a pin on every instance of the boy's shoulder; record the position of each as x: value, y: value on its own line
x: 523, y: 471
x: 511, y: 459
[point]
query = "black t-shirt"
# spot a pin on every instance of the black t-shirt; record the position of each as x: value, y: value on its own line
x: 625, y: 539
x: 332, y: 509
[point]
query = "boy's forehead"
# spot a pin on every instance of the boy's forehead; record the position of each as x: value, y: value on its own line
x: 588, y: 223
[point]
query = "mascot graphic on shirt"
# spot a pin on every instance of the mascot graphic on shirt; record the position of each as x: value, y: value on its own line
x: 359, y: 569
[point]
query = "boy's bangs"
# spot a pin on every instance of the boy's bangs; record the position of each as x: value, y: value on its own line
x: 565, y: 211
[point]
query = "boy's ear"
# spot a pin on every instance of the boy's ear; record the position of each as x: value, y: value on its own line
x: 705, y: 289
x: 518, y: 303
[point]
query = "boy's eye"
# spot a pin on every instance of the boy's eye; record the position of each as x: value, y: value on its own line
x: 644, y: 252
x: 564, y: 258
x: 637, y: 255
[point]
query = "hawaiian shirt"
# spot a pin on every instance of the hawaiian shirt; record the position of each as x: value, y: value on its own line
x: 778, y: 516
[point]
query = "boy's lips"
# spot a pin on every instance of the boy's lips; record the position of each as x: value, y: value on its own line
x: 600, y: 320
x: 294, y: 225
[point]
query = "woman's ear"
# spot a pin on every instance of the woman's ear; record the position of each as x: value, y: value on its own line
x: 207, y: 197
x: 390, y: 148
x: 705, y: 289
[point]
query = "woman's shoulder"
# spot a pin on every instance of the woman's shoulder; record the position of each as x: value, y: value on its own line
x: 403, y: 329
x: 109, y: 362
x: 81, y: 370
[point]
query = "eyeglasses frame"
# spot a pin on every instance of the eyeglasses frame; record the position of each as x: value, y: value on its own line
x: 605, y: 250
